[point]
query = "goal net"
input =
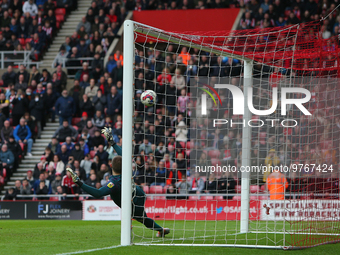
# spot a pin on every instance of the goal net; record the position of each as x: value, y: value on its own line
x: 241, y: 148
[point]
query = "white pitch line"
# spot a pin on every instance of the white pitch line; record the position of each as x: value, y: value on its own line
x: 91, y: 250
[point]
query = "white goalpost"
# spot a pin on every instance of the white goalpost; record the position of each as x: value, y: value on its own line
x: 272, y: 179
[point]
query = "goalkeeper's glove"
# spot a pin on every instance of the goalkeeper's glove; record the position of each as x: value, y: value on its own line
x: 108, y: 135
x: 75, y: 177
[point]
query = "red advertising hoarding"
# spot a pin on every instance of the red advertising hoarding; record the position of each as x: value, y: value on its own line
x: 199, y: 209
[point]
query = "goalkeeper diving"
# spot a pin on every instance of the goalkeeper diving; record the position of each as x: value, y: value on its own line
x: 113, y: 188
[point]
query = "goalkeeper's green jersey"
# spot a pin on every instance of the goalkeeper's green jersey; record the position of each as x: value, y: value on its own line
x: 114, y: 188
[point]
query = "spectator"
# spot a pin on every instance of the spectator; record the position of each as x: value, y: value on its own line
x: 30, y: 7
x: 57, y: 164
x: 117, y: 72
x: 20, y: 106
x: 54, y: 145
x: 197, y: 184
x: 276, y: 185
x: 41, y: 189
x: 64, y: 154
x: 22, y: 134
x: 34, y: 75
x: 15, y: 148
x: 160, y: 175
x: 91, y: 90
x: 48, y: 154
x: 86, y: 105
x: 211, y: 184
x: 92, y: 180
x: 114, y: 103
x: 99, y: 101
x: 77, y: 153
x: 56, y: 183
x: 10, y: 194
x: 26, y: 188
x: 37, y: 187
x: 81, y: 73
x: 29, y: 177
x: 85, y: 80
x: 86, y: 24
x: 102, y: 155
x: 90, y: 128
x: 38, y: 169
x: 61, y: 76
x: 183, y: 186
x: 49, y: 101
x: 78, y: 168
x: 69, y: 144
x: 98, y: 120
x: 4, y: 105
x: 61, y: 57
x: 37, y: 45
x: 6, y: 132
x: 96, y: 140
x: 9, y: 76
x: 103, y: 169
x: 64, y: 131
x: 270, y: 161
x: 86, y: 164
x: 65, y: 107
x: 37, y: 110
x: 226, y: 185
x: 181, y: 132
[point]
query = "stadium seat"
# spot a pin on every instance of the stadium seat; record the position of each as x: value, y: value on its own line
x: 238, y: 188
x: 60, y: 11
x: 75, y: 127
x: 253, y: 198
x: 214, y: 153
x: 207, y: 197
x: 237, y: 198
x: 4, y: 172
x: 92, y: 153
x: 263, y: 188
x: 59, y: 18
x: 28, y: 40
x: 57, y: 25
x: 22, y: 41
x: 75, y: 121
x: 215, y: 161
x: 263, y: 198
x: 219, y: 198
x: 183, y: 144
x: 54, y: 198
x: 254, y: 189
x: 156, y: 189
x: 146, y: 189
x: 194, y: 197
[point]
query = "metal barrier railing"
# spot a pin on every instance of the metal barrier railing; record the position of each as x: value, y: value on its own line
x: 15, y: 57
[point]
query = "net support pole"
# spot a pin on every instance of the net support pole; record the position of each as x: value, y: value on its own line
x: 246, y: 148
x: 128, y: 78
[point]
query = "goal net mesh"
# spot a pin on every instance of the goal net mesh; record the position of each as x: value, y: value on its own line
x: 188, y: 146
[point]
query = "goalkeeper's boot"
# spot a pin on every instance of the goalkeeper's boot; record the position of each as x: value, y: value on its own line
x: 164, y: 232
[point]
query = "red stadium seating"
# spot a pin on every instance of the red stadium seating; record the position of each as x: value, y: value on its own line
x: 207, y: 197
x: 59, y: 18
x: 60, y: 11
x: 75, y: 127
x: 238, y: 188
x: 92, y: 153
x: 4, y: 172
x: 214, y: 153
x: 159, y: 198
x: 194, y: 197
x: 22, y: 41
x: 54, y: 198
x: 254, y: 189
x: 28, y: 40
x: 215, y: 161
x: 237, y: 198
x: 146, y: 189
x: 156, y: 189
x: 75, y: 121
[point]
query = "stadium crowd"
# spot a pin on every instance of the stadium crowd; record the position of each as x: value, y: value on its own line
x: 170, y: 138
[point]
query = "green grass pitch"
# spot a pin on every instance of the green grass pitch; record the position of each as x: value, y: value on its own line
x: 59, y: 237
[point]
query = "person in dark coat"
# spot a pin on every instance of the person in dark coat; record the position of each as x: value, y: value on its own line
x: 114, y: 103
x: 65, y: 107
x: 77, y: 153
x: 37, y: 111
x: 50, y: 99
x: 20, y: 105
x: 64, y: 131
x: 9, y: 76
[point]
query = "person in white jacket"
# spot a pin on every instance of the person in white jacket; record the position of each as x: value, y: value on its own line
x: 31, y: 7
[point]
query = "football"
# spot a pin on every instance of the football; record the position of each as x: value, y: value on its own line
x: 149, y: 97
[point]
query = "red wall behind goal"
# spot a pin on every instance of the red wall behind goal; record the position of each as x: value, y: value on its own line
x: 188, y: 20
